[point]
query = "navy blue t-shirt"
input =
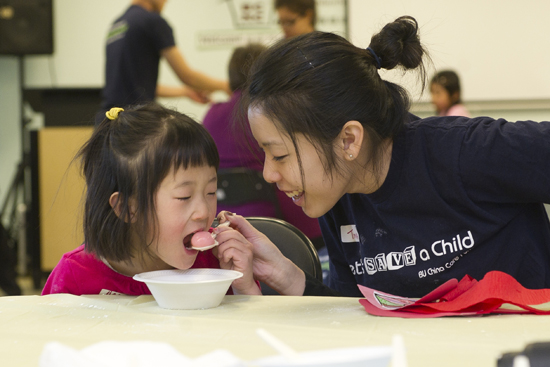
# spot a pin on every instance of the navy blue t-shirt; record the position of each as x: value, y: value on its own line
x: 462, y: 196
x: 134, y: 45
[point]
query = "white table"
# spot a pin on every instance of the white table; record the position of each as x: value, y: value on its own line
x: 27, y: 323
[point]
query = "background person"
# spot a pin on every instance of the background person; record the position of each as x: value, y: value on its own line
x: 8, y: 274
x: 445, y: 91
x: 136, y: 42
x: 296, y: 16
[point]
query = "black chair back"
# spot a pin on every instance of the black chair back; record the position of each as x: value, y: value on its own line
x: 292, y: 242
x: 238, y: 186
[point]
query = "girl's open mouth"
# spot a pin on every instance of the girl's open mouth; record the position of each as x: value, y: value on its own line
x: 187, y: 241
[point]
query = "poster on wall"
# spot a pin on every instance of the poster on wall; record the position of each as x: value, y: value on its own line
x: 255, y: 21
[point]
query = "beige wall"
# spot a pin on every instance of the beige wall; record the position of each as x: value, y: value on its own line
x: 61, y: 187
x: 500, y: 49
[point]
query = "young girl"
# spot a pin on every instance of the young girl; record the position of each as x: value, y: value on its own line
x: 151, y: 179
x: 404, y: 204
x: 445, y: 90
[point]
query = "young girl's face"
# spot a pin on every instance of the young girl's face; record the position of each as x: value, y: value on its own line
x: 281, y: 166
x: 440, y: 97
x: 185, y: 203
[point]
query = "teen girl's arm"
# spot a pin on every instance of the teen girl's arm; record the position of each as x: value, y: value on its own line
x: 269, y: 264
x: 191, y: 77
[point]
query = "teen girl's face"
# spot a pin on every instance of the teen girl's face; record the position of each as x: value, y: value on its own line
x: 319, y: 193
x: 440, y: 98
x: 185, y: 203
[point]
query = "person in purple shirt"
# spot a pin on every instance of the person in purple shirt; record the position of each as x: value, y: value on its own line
x: 239, y: 149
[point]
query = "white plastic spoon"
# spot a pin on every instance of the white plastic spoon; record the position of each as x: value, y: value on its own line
x: 278, y: 345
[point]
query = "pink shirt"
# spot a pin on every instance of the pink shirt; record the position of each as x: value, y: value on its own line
x: 456, y: 110
x: 80, y: 272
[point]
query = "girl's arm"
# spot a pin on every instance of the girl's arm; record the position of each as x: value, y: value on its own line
x: 234, y: 252
x: 269, y: 264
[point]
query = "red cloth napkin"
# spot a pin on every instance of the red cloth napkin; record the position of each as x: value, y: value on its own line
x: 492, y: 294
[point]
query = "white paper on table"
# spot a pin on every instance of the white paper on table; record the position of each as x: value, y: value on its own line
x: 130, y: 354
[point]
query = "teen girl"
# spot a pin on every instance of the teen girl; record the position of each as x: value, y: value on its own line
x: 151, y: 184
x: 404, y: 204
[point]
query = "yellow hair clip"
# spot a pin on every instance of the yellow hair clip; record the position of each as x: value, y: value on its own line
x: 112, y: 114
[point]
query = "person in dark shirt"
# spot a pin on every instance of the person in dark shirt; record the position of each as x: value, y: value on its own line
x: 136, y: 42
x: 405, y: 204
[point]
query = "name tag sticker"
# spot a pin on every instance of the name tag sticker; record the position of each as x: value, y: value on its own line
x: 349, y: 233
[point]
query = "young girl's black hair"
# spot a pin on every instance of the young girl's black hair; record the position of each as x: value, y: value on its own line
x: 131, y: 155
x: 314, y: 83
x: 449, y: 80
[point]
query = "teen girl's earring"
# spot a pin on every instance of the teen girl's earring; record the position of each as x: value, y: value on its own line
x: 351, y: 155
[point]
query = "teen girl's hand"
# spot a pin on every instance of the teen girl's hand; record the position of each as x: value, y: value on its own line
x: 235, y: 253
x: 269, y: 264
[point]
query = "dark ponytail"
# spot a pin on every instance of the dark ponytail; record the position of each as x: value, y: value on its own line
x: 398, y: 44
x: 314, y: 83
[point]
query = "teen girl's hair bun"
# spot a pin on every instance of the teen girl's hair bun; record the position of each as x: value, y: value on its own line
x: 398, y: 44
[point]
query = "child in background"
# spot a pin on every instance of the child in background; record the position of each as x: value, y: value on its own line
x: 151, y: 178
x: 445, y: 90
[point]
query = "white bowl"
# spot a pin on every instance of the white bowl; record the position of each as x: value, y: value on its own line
x: 339, y: 357
x: 188, y: 289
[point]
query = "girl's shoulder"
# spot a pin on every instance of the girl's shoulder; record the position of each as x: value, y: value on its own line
x: 79, y: 252
x: 83, y: 260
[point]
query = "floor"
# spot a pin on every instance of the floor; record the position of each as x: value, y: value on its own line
x: 27, y: 287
